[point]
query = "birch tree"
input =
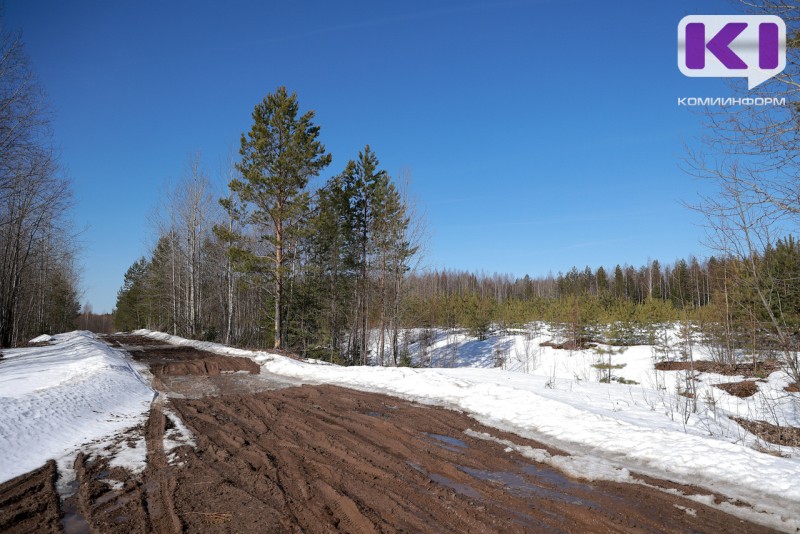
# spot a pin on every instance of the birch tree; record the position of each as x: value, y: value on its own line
x: 35, y: 200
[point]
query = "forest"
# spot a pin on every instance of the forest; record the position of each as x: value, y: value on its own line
x: 39, y: 280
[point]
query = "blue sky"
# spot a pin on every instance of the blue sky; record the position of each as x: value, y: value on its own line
x: 539, y: 134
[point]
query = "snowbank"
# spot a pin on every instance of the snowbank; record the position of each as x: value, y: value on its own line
x: 56, y: 398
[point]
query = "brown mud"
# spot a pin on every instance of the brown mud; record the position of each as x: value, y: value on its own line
x: 704, y: 366
x: 29, y: 503
x: 329, y: 459
x: 174, y: 360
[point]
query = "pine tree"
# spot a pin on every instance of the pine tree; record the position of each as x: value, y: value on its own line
x: 280, y: 154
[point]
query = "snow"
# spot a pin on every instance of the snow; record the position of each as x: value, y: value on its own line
x: 555, y: 396
x: 56, y: 399
x: 178, y: 436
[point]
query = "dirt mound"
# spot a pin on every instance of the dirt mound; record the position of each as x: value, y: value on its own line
x: 177, y: 360
x: 29, y: 503
x: 119, y: 340
x: 188, y: 361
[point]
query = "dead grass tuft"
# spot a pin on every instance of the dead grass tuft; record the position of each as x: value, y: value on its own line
x: 786, y: 436
x: 743, y: 389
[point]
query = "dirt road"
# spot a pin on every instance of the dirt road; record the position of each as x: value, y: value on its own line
x: 328, y: 459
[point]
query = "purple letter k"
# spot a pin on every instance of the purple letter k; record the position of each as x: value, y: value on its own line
x: 719, y: 45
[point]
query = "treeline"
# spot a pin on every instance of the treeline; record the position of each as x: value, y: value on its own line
x: 38, y: 278
x: 731, y: 306
x: 99, y: 323
x: 273, y: 263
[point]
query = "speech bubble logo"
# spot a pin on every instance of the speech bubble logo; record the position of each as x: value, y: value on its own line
x: 732, y: 46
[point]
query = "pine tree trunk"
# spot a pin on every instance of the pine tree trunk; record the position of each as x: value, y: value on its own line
x: 278, y: 285
x: 383, y: 307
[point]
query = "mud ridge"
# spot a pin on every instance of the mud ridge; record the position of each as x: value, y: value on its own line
x: 30, y: 503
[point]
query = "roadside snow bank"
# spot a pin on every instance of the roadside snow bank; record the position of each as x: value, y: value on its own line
x: 621, y: 424
x: 56, y: 398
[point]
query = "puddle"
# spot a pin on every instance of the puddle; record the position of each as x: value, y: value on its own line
x: 448, y: 442
x: 416, y: 467
x: 518, y: 485
x: 554, y: 477
x: 72, y: 522
x: 458, y: 487
x: 444, y: 481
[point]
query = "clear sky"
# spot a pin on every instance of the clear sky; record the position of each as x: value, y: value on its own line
x: 539, y: 134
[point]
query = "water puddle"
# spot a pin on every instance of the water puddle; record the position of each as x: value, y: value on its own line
x: 519, y: 485
x: 72, y: 521
x: 452, y: 484
x: 416, y: 467
x: 447, y: 442
x: 444, y: 481
x: 554, y: 477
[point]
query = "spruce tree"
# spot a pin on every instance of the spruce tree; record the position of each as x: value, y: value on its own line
x: 128, y: 313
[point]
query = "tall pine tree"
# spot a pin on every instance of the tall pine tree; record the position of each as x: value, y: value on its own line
x: 280, y: 154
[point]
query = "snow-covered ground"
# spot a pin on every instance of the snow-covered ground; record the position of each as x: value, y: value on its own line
x: 523, y: 351
x: 556, y: 396
x: 76, y: 393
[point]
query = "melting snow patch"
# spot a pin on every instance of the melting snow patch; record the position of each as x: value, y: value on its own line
x: 56, y: 399
x: 585, y: 467
x: 689, y: 511
x: 177, y: 435
x: 132, y: 455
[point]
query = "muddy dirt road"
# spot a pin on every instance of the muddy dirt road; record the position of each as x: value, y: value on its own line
x: 271, y: 458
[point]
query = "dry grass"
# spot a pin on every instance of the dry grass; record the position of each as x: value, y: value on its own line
x: 745, y: 369
x: 786, y: 436
x: 743, y: 389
